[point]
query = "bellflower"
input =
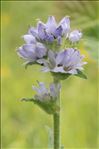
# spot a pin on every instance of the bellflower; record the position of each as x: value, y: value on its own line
x: 65, y: 23
x: 67, y: 61
x: 49, y: 44
x: 43, y: 94
x: 31, y: 51
x: 75, y: 36
x: 50, y: 31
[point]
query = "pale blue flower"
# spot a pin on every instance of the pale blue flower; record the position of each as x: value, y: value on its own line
x: 31, y: 51
x: 29, y: 39
x: 66, y: 61
x: 65, y: 23
x: 51, y: 31
x: 44, y: 94
x: 75, y: 36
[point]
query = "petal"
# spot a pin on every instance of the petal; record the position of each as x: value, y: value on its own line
x: 41, y: 61
x: 60, y: 57
x: 41, y: 30
x: 27, y: 52
x: 34, y: 32
x: 58, y: 31
x: 51, y: 25
x: 73, y: 71
x: 45, y: 69
x: 49, y: 37
x: 65, y: 23
x: 36, y: 89
x: 58, y: 69
x: 75, y: 36
x: 72, y: 57
x: 43, y: 88
x: 29, y: 39
x: 53, y: 90
x: 40, y: 50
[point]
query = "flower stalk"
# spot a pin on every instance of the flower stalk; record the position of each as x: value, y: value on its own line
x: 56, y: 119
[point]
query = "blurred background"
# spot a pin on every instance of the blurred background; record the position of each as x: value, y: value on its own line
x: 24, y: 125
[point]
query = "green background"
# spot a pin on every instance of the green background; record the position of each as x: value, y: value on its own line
x: 24, y: 125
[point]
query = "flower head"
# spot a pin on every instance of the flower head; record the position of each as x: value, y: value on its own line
x: 75, y: 36
x: 42, y: 40
x: 50, y: 31
x: 43, y: 94
x: 66, y: 61
x: 31, y: 51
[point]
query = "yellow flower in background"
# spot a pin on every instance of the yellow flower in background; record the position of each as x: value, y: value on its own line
x: 5, y: 72
x: 6, y: 19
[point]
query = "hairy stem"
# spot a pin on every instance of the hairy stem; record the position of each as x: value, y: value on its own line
x: 56, y: 117
x: 56, y: 120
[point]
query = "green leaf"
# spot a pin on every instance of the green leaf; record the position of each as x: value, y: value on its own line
x: 63, y: 76
x: 28, y: 64
x: 49, y: 106
x: 60, y: 76
x: 26, y: 99
x: 81, y: 74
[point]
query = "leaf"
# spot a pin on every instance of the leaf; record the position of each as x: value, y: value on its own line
x: 60, y: 76
x: 28, y: 64
x: 26, y: 99
x: 49, y: 107
x: 81, y: 74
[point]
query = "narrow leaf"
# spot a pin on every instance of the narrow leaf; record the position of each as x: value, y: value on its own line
x: 27, y: 99
x: 28, y: 64
x: 81, y: 74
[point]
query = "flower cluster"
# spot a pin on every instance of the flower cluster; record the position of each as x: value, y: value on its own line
x: 62, y: 60
x: 43, y: 94
x: 51, y: 30
x: 46, y: 98
x: 68, y: 60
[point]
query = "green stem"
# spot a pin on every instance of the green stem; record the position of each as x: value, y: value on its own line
x: 56, y: 121
x: 56, y: 117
